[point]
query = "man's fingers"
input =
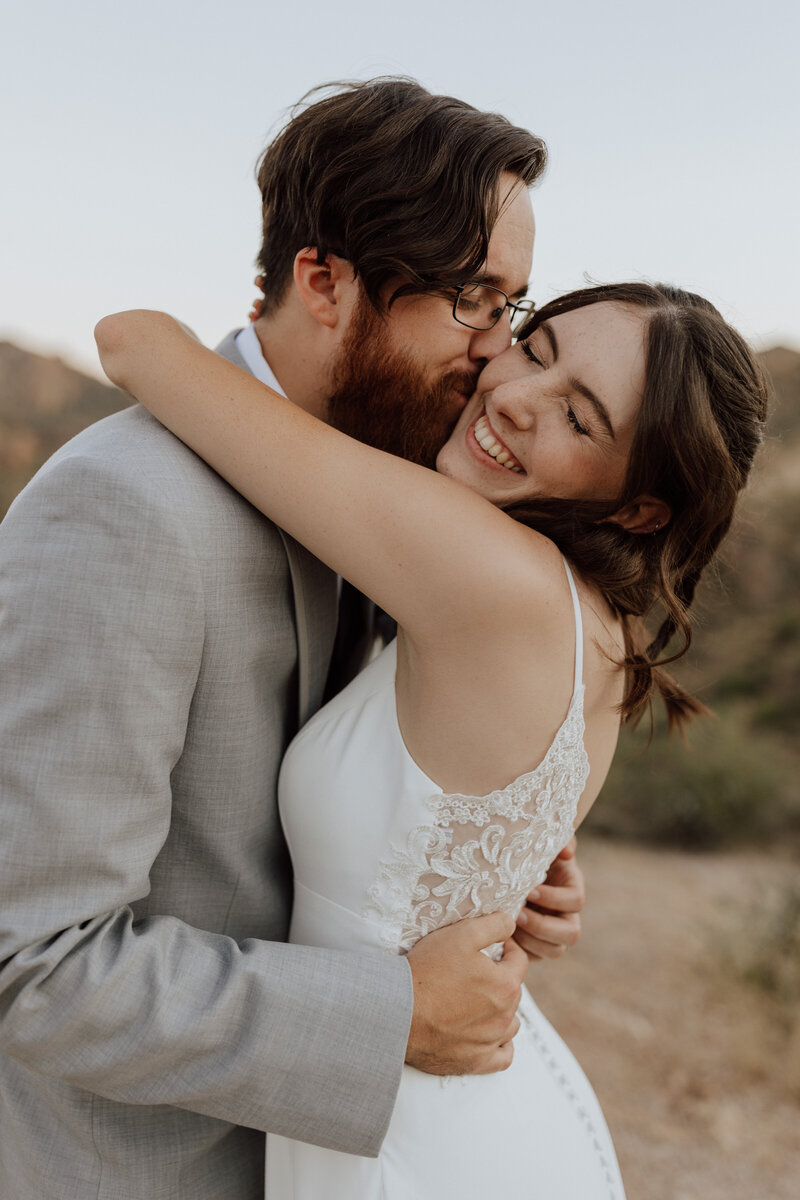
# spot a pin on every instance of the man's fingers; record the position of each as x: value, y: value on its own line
x: 559, y: 899
x: 489, y: 930
x: 497, y: 1059
x: 514, y: 960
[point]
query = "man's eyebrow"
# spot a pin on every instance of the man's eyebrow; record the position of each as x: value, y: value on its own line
x: 576, y: 385
x: 495, y: 281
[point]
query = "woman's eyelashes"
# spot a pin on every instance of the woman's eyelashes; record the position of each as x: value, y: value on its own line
x: 529, y: 354
x: 572, y: 416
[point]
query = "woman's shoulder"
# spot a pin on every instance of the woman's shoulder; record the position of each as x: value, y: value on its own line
x: 527, y: 572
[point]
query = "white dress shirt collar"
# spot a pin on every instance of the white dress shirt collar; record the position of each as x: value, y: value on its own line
x: 249, y: 347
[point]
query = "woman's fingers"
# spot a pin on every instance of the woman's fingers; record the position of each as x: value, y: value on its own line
x: 542, y: 935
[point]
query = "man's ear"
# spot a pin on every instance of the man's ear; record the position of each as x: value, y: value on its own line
x: 326, y: 288
x: 645, y: 514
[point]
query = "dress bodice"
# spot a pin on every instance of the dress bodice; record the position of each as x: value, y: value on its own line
x: 372, y: 835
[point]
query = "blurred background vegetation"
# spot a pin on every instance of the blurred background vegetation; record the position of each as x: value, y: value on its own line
x: 736, y: 780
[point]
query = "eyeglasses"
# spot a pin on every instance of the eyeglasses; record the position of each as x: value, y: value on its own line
x: 479, y: 306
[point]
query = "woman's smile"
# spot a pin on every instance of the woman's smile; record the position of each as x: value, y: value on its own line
x: 488, y: 447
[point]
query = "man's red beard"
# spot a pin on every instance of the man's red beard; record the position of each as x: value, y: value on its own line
x: 382, y: 397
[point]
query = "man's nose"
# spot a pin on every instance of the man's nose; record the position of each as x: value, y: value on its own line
x: 486, y: 344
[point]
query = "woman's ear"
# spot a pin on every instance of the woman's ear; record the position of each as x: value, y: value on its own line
x: 645, y: 514
x: 326, y: 288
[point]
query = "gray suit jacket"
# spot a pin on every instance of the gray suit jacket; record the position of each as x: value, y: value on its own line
x: 160, y: 643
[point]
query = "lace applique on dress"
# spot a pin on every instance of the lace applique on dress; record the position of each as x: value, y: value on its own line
x: 483, y: 854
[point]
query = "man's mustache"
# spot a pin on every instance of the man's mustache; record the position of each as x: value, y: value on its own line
x: 463, y: 381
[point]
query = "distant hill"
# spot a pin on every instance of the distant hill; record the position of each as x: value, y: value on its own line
x: 43, y: 403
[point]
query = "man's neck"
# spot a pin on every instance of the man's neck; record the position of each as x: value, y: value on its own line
x: 295, y: 358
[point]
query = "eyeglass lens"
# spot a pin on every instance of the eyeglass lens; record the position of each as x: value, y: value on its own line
x: 481, y: 307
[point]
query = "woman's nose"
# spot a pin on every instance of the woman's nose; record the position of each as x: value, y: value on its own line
x: 518, y: 400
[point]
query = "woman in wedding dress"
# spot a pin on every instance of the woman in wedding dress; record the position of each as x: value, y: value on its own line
x: 618, y: 433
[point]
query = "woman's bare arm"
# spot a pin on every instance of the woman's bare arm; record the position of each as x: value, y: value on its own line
x: 425, y: 548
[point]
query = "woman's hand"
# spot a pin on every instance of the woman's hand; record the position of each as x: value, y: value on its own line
x: 550, y: 922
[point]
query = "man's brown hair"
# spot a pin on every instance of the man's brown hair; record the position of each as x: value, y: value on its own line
x: 393, y: 179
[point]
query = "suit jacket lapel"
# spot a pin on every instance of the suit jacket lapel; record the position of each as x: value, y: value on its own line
x: 314, y: 589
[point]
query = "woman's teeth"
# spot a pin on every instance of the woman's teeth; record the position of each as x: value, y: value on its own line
x: 488, y: 442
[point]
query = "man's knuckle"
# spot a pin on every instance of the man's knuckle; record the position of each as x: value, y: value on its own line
x: 506, y: 1056
x: 508, y: 995
x: 512, y: 1008
x: 498, y: 1008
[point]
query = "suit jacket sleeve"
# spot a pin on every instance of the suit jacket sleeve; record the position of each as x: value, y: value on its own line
x: 101, y: 636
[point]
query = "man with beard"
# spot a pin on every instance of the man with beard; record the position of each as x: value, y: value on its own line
x: 160, y: 643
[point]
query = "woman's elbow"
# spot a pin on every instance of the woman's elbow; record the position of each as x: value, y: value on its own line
x: 116, y: 336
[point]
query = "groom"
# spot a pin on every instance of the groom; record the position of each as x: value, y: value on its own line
x: 160, y: 642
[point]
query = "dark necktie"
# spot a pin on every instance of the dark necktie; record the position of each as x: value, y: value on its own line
x: 360, y: 621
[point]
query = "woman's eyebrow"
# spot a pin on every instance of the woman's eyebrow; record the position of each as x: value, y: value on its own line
x: 596, y: 403
x: 576, y: 385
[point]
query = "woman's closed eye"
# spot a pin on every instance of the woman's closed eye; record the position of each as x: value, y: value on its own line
x: 527, y: 350
x: 572, y: 416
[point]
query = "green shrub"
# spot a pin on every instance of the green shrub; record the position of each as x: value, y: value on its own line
x: 727, y: 786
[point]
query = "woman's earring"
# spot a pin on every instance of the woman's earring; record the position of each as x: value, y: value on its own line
x: 656, y: 527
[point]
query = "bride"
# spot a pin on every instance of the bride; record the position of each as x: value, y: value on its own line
x: 617, y: 433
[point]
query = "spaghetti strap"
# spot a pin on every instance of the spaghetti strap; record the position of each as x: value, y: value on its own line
x: 576, y: 605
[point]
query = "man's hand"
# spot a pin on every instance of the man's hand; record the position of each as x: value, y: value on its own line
x: 465, y: 1005
x: 550, y: 922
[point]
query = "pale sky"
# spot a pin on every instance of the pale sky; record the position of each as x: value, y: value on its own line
x: 130, y: 134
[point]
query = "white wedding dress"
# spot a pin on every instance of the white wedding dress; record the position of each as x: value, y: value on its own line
x: 381, y: 857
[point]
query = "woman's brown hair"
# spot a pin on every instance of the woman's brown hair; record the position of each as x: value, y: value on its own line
x: 392, y: 178
x: 701, y: 421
